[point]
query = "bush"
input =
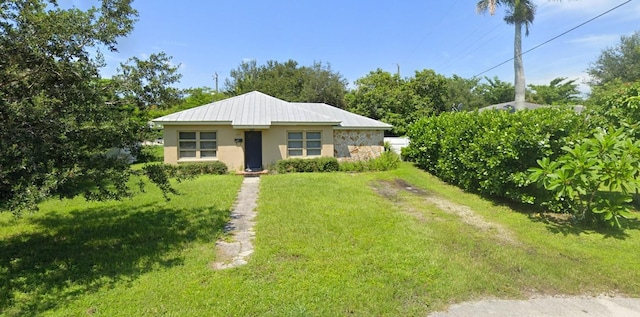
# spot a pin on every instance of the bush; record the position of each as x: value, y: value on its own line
x: 489, y: 152
x: 298, y: 165
x: 194, y: 169
x: 594, y: 179
x: 387, y: 161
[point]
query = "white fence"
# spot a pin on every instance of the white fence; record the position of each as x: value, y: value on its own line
x: 397, y: 143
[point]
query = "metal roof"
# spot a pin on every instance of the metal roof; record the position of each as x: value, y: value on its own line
x: 258, y: 110
x: 348, y: 120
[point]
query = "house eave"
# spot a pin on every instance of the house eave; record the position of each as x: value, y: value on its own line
x: 192, y: 122
x: 362, y: 128
x: 251, y: 127
x: 334, y: 123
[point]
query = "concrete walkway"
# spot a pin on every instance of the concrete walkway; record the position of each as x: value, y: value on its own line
x: 234, y: 252
x: 601, y: 306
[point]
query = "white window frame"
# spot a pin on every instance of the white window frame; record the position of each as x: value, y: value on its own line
x: 305, y: 149
x: 200, y: 152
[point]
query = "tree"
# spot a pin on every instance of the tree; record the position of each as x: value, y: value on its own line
x: 621, y: 62
x: 560, y: 91
x: 519, y: 13
x: 146, y: 83
x: 193, y: 97
x: 288, y: 81
x: 57, y: 121
x: 495, y: 91
x: 397, y: 101
x: 617, y: 104
x: 463, y: 93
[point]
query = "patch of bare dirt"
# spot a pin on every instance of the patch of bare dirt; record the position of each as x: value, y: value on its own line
x: 390, y: 189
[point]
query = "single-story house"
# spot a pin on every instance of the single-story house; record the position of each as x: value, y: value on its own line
x: 252, y: 131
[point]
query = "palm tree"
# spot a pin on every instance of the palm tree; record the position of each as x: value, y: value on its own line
x: 519, y: 13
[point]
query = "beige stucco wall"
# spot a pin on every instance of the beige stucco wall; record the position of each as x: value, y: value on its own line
x: 354, y: 145
x: 274, y: 143
x: 228, y: 152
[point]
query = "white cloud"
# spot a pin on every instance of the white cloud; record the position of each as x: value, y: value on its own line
x: 248, y: 59
x: 600, y: 40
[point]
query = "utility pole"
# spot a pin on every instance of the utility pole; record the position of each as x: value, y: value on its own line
x: 215, y: 76
x: 398, y: 66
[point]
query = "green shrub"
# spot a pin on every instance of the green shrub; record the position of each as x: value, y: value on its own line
x: 489, y: 152
x: 594, y: 179
x: 354, y: 166
x: 299, y: 165
x: 388, y: 160
x: 194, y: 169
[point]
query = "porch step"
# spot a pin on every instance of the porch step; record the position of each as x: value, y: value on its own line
x: 253, y: 174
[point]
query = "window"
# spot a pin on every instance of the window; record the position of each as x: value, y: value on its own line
x: 304, y: 143
x: 197, y: 145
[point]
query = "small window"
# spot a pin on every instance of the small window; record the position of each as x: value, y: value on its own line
x: 197, y: 145
x: 303, y: 144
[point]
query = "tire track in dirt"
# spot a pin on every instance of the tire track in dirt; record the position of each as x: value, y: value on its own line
x: 391, y: 188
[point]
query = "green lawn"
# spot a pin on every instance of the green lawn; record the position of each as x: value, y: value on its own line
x: 326, y: 245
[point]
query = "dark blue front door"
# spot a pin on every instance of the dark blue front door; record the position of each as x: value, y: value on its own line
x: 253, y: 150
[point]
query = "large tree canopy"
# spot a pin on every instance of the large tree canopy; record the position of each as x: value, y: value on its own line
x: 59, y: 118
x: 621, y: 62
x: 288, y: 81
x: 399, y: 101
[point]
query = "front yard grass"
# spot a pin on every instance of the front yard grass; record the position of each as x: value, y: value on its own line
x: 326, y: 245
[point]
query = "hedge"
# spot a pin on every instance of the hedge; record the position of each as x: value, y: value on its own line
x: 298, y: 165
x: 489, y: 152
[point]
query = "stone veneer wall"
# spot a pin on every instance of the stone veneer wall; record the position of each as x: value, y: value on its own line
x: 355, y: 145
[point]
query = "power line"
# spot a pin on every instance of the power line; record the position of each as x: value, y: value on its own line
x: 472, y: 48
x: 557, y: 36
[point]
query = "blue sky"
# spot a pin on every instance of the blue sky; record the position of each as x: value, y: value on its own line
x: 357, y: 36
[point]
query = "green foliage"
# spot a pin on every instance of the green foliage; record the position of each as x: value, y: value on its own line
x: 146, y: 83
x: 621, y: 62
x: 400, y: 102
x: 556, y: 93
x: 56, y: 123
x: 489, y: 152
x: 387, y: 161
x: 299, y: 165
x: 495, y: 91
x: 594, y: 179
x: 287, y: 81
x: 616, y: 104
x: 464, y: 92
x: 60, y: 119
x: 195, y: 169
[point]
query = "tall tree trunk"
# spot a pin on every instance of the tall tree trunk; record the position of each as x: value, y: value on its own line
x: 518, y: 67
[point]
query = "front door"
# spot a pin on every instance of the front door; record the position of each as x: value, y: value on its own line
x: 253, y: 151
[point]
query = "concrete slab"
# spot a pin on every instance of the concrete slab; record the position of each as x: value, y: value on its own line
x: 548, y: 307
